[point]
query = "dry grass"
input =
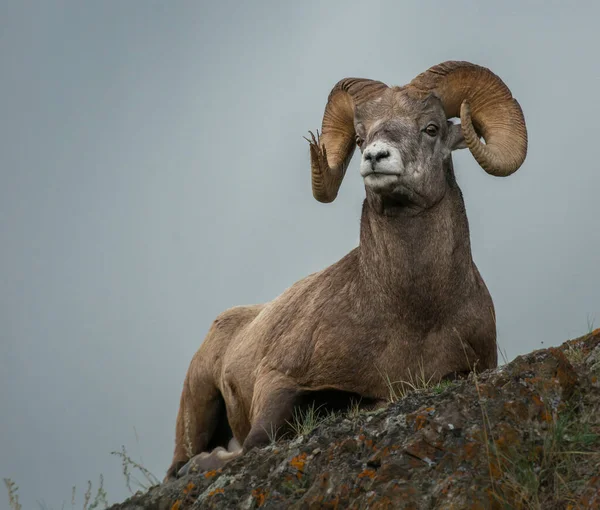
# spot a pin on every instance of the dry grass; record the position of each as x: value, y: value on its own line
x: 590, y: 323
x: 501, y: 350
x: 574, y: 351
x: 417, y: 381
x: 13, y: 496
x: 99, y: 501
x: 442, y: 386
x: 503, y: 354
x: 272, y: 433
x: 520, y: 480
x: 552, y: 477
x: 91, y: 500
x: 487, y: 427
x: 354, y: 409
x: 129, y: 465
x: 305, y: 420
x: 575, y: 354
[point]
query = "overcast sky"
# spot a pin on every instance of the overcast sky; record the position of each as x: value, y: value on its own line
x: 153, y: 174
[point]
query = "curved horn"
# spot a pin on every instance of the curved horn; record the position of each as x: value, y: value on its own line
x: 331, y: 151
x: 486, y: 109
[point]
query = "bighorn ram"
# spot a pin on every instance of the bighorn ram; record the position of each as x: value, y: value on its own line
x: 409, y: 296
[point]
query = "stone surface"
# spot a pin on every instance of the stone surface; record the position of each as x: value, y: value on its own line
x: 525, y: 435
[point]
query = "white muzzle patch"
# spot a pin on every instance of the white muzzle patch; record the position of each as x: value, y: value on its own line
x: 381, y: 158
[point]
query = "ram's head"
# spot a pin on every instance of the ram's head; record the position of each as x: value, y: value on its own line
x: 406, y: 136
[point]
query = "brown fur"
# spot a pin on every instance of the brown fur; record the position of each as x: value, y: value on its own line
x: 408, y: 296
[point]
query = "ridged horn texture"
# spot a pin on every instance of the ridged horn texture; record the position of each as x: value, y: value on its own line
x: 486, y: 108
x: 332, y: 150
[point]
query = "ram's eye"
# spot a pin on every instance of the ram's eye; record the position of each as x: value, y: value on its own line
x: 359, y: 141
x: 432, y: 130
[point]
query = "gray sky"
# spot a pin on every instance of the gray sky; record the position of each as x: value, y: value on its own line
x: 153, y: 174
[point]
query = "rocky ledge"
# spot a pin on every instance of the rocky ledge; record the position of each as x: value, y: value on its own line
x: 524, y: 435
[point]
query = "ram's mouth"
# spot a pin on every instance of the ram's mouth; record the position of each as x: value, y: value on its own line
x: 381, y: 179
x: 380, y: 183
x: 381, y: 173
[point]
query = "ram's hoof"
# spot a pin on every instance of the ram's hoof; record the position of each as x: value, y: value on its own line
x: 206, y: 461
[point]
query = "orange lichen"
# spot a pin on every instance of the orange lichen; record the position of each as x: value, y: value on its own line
x: 542, y: 410
x: 188, y: 488
x: 533, y: 380
x: 298, y: 462
x: 260, y: 495
x: 567, y: 377
x: 537, y: 400
x: 210, y: 474
x: 546, y: 416
x: 367, y: 473
x: 176, y: 505
x: 420, y: 421
x: 216, y: 491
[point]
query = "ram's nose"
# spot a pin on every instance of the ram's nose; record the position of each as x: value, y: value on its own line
x: 375, y: 153
x: 381, y: 158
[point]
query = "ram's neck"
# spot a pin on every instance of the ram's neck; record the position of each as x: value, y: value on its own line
x: 421, y: 260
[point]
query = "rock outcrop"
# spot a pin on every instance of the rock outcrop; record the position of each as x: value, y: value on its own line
x: 524, y: 435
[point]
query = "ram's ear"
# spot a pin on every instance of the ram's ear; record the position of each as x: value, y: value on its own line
x: 456, y: 139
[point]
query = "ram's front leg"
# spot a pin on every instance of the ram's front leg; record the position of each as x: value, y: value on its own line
x: 275, y: 396
x: 272, y: 407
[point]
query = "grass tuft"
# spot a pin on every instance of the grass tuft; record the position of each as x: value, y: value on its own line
x: 590, y: 323
x: 417, y: 381
x: 574, y: 350
x: 354, y: 409
x: 525, y: 480
x: 88, y: 503
x: 442, y: 386
x: 272, y: 433
x: 13, y: 496
x: 304, y: 421
x: 575, y: 354
x: 99, y: 499
x: 128, y: 463
x: 530, y: 483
